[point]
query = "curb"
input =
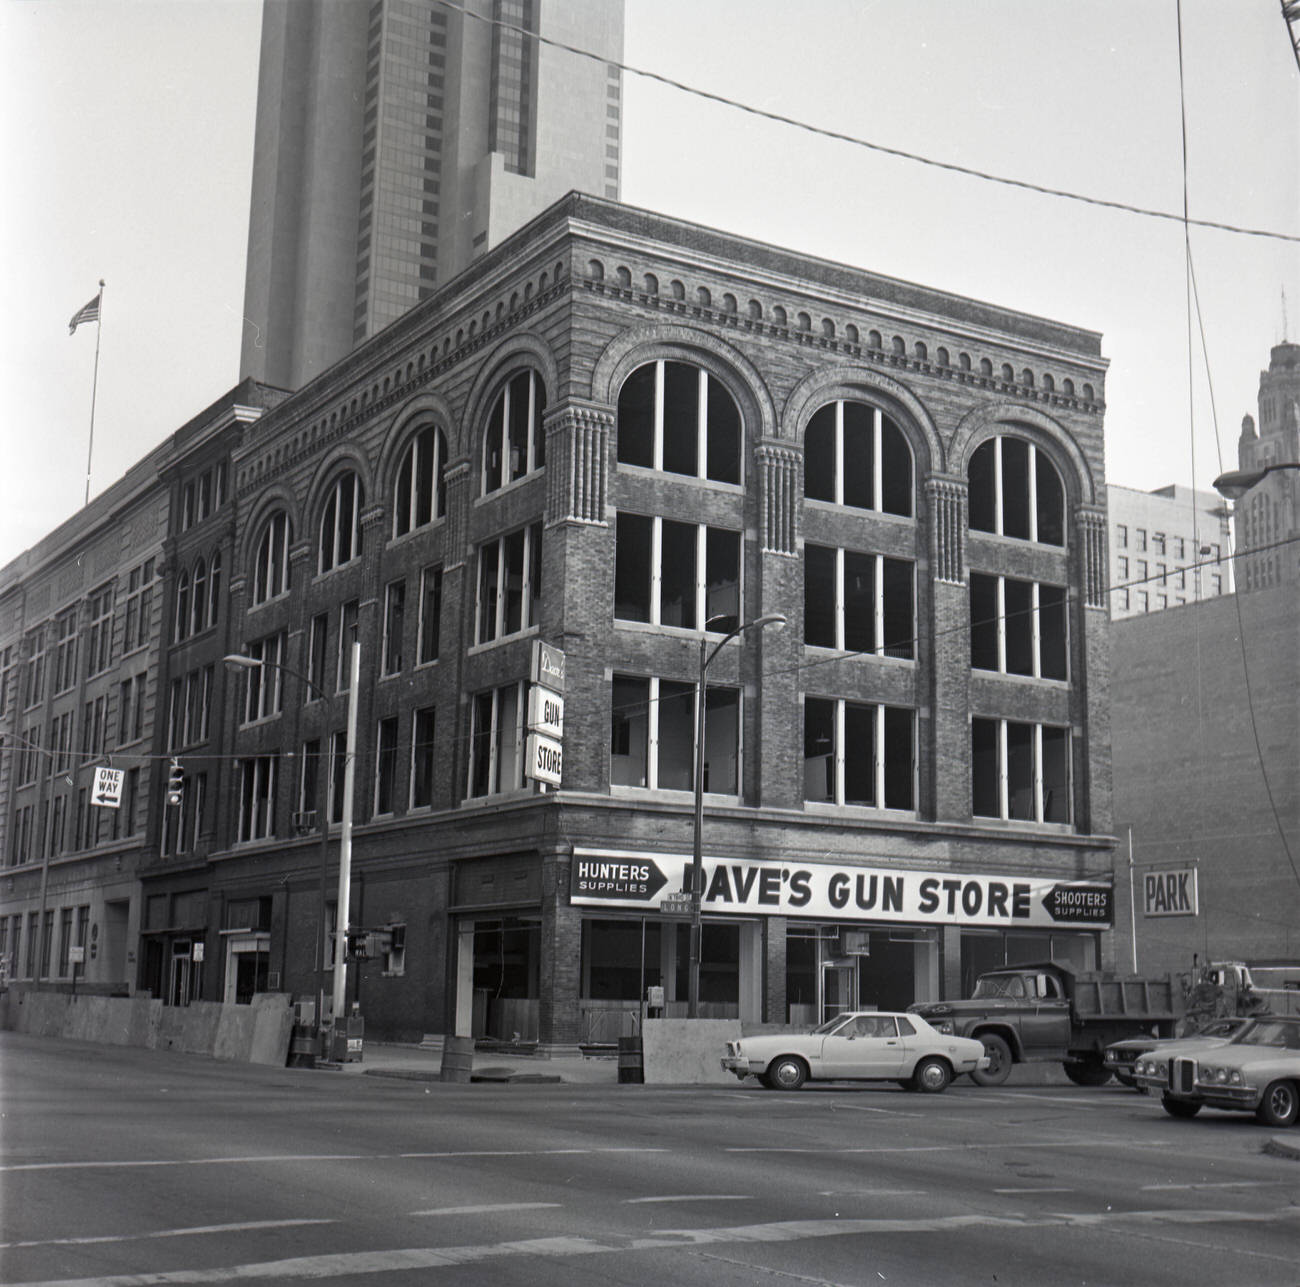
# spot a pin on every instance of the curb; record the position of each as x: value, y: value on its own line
x: 1278, y: 1146
x: 500, y: 1076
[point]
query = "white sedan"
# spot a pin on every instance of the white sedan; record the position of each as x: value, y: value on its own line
x: 857, y: 1046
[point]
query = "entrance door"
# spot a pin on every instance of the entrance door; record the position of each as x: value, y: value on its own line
x: 248, y: 965
x: 178, y: 984
x: 839, y: 988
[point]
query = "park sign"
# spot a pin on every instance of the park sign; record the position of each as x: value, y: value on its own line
x: 1170, y: 893
x: 840, y: 892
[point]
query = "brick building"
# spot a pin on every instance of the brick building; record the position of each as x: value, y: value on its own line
x: 619, y: 434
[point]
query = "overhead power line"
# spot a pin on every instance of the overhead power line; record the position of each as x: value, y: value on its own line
x: 952, y: 167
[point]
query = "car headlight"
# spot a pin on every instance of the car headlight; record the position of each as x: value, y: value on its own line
x: 1146, y: 1067
x: 1235, y: 1078
x: 942, y: 1025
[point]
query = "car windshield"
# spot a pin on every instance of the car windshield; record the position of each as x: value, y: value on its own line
x: 1219, y: 1028
x: 831, y: 1024
x: 1272, y: 1032
x: 999, y: 985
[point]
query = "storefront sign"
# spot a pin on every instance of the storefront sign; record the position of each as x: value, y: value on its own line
x: 1170, y: 893
x: 831, y: 892
x: 547, y: 666
x: 545, y: 759
x: 545, y: 713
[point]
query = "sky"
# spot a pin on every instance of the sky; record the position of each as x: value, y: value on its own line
x: 127, y: 129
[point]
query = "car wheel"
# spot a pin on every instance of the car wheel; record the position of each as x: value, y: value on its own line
x: 1125, y: 1080
x: 907, y: 1083
x: 931, y: 1076
x: 999, y: 1068
x: 766, y: 1081
x: 1087, y: 1072
x: 787, y: 1073
x: 1280, y: 1105
x: 1179, y: 1107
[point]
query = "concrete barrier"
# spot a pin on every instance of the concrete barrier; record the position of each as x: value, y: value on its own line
x: 257, y: 1033
x: 687, y: 1052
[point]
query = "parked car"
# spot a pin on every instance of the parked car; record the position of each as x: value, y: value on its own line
x: 1122, y: 1055
x: 1257, y: 1070
x: 857, y: 1046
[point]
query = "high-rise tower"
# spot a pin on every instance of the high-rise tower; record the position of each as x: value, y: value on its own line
x: 1268, y: 516
x: 398, y: 140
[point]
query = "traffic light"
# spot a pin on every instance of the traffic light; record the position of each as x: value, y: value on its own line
x: 175, y: 784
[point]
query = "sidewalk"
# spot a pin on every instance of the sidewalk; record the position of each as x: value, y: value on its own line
x: 418, y: 1063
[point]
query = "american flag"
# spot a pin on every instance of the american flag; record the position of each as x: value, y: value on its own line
x: 86, y: 313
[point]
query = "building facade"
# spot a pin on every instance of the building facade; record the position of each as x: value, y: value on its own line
x: 1167, y: 547
x: 1268, y: 516
x: 396, y: 141
x: 1206, y: 716
x: 623, y: 436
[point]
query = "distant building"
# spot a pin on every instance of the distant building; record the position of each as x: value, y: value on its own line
x: 1206, y: 783
x: 1167, y: 547
x: 398, y: 140
x: 1268, y: 516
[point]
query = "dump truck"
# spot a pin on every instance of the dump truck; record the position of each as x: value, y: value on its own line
x: 1049, y: 1013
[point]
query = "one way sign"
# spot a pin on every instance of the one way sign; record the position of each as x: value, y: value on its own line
x: 108, y: 788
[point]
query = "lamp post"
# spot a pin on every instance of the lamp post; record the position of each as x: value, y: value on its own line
x: 707, y: 655
x: 1237, y: 482
x: 239, y: 661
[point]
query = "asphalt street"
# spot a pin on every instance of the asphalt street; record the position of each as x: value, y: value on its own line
x: 132, y: 1167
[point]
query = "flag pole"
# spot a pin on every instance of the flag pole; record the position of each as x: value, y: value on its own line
x: 94, y: 385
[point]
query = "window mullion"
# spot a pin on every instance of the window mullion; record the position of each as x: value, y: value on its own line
x: 839, y: 453
x: 877, y: 455
x: 1036, y: 639
x: 652, y: 734
x: 1033, y: 492
x: 494, y: 732
x: 840, y: 600
x: 878, y: 607
x: 702, y: 424
x: 659, y: 416
x: 499, y: 616
x: 1004, y: 808
x: 1001, y: 609
x: 656, y: 568
x: 701, y: 576
x: 997, y: 486
x: 878, y: 755
x: 839, y: 751
x: 1038, y: 773
x: 530, y: 452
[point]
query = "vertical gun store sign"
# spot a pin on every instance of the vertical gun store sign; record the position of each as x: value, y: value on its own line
x: 545, y: 748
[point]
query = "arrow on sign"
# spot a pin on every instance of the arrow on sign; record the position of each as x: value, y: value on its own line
x: 1086, y: 903
x: 638, y: 878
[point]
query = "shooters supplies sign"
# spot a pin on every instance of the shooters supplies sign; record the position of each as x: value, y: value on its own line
x: 108, y: 788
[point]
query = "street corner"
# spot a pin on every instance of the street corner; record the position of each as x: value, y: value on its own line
x: 1284, y: 1146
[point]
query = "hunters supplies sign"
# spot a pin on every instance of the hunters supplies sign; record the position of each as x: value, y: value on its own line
x: 612, y: 878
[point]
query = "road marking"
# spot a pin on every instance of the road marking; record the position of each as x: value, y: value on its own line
x: 258, y: 1159
x: 188, y: 1161
x: 693, y: 1197
x: 1212, y: 1184
x: 251, y: 1226
x: 488, y: 1209
x: 956, y: 1148
x: 1033, y: 1190
x: 872, y: 1193
x: 406, y: 1259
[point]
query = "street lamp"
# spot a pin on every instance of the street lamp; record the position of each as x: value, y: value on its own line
x: 707, y: 655
x: 239, y: 661
x: 1237, y: 482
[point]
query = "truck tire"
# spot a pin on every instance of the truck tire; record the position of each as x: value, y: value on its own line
x: 1087, y: 1072
x: 1280, y: 1105
x: 999, y: 1068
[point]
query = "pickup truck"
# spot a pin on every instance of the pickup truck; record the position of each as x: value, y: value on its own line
x: 1049, y: 1013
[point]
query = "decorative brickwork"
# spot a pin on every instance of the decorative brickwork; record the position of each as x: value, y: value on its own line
x: 781, y: 475
x: 946, y: 500
x: 1091, y: 525
x: 577, y: 450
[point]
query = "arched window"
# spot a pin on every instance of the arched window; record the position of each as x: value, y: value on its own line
x: 340, y: 528
x: 513, y: 445
x: 271, y: 560
x: 199, y: 598
x: 421, y: 482
x: 1014, y: 490
x: 183, y: 606
x: 856, y: 455
x: 676, y: 417
x: 214, y: 587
